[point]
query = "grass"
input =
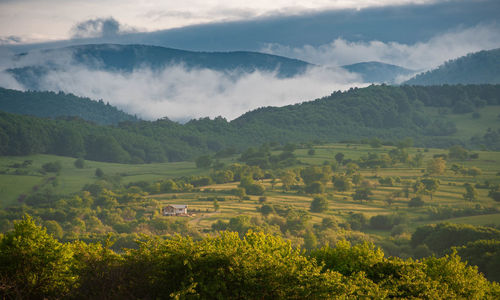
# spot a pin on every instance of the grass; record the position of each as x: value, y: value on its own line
x: 341, y: 205
x: 71, y: 179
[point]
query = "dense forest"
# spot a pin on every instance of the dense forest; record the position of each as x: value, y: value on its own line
x: 54, y: 105
x: 388, y: 112
x: 474, y: 68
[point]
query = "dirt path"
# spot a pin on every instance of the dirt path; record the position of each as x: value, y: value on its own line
x: 199, y: 217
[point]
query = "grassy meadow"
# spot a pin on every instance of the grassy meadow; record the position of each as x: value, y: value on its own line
x: 341, y: 204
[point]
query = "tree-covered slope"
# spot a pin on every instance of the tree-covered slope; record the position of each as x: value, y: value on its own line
x: 475, y: 68
x: 53, y: 105
x: 387, y: 112
x: 126, y: 58
x: 377, y: 72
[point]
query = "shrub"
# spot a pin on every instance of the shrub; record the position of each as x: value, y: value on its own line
x: 416, y: 202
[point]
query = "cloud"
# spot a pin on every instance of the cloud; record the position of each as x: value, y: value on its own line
x: 99, y: 28
x: 182, y: 94
x: 418, y: 56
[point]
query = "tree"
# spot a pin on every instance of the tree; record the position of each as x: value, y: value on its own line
x: 436, y: 166
x: 288, y: 179
x: 416, y: 202
x: 34, y: 265
x: 319, y: 204
x: 79, y: 163
x: 203, y: 162
x: 351, y: 168
x: 311, y: 152
x: 339, y: 157
x: 457, y: 152
x: 310, y: 240
x: 474, y: 171
x: 266, y: 210
x: 362, y: 194
x: 494, y: 193
x: 427, y: 186
x: 99, y: 173
x: 53, y: 167
x: 216, y: 205
x: 341, y: 183
x: 470, y: 192
x: 315, y: 187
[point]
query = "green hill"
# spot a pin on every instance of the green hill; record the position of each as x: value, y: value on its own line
x: 475, y: 68
x: 427, y: 114
x: 54, y: 105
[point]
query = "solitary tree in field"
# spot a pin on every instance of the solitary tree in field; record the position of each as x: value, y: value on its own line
x: 436, y: 166
x: 339, y: 157
x: 362, y: 194
x: 319, y: 204
x: 427, y: 186
x: 470, y: 192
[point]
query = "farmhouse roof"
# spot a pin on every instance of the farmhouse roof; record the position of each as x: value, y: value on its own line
x: 178, y: 206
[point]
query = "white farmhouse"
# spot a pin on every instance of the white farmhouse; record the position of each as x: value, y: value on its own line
x: 175, y: 210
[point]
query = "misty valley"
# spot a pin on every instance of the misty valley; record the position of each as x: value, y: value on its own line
x: 189, y: 163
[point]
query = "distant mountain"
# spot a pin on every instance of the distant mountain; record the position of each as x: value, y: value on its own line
x: 475, y: 68
x: 378, y: 72
x: 126, y: 58
x: 57, y: 105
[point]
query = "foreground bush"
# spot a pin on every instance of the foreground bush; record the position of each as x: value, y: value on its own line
x: 33, y: 265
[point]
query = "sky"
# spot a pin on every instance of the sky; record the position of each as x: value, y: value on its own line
x: 45, y: 20
x: 415, y: 34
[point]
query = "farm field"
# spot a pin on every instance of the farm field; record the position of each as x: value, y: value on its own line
x: 447, y: 203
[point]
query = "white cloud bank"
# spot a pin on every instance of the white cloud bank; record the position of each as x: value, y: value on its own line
x: 419, y: 56
x: 181, y: 94
x: 177, y: 92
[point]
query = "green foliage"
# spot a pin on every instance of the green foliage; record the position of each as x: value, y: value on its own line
x: 79, y: 163
x: 204, y: 161
x: 485, y: 254
x: 319, y: 204
x: 416, y: 202
x: 53, y: 167
x: 474, y: 68
x: 443, y: 236
x: 341, y: 183
x: 61, y: 105
x: 362, y: 194
x: 33, y: 265
x: 458, y: 152
x: 99, y: 173
x: 470, y: 192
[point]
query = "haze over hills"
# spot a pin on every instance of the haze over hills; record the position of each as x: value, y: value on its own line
x: 474, y: 68
x: 377, y: 72
x: 127, y: 58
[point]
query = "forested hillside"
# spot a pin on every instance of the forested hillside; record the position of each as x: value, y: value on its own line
x: 387, y: 112
x: 475, y: 68
x: 53, y: 105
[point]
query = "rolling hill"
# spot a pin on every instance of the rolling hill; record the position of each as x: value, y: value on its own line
x: 390, y: 113
x: 378, y: 72
x: 56, y: 105
x: 475, y: 68
x: 127, y: 58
